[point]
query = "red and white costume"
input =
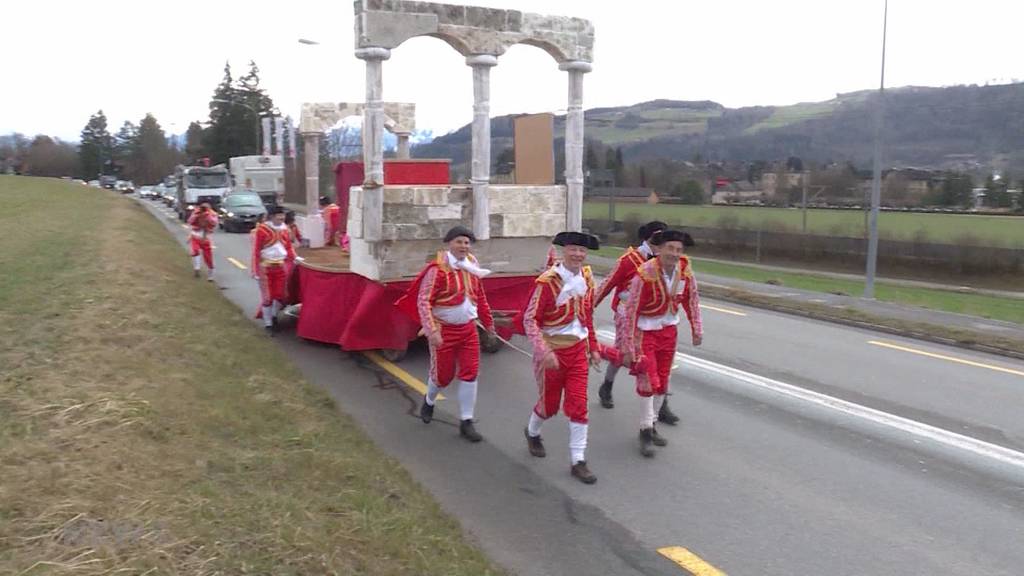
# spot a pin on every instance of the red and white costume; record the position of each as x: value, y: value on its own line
x: 201, y: 227
x: 559, y: 320
x: 449, y: 297
x: 617, y: 284
x: 332, y: 224
x: 272, y: 253
x: 652, y: 315
x: 294, y: 234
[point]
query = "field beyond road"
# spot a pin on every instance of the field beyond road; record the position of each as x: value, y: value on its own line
x: 148, y: 427
x: 1003, y: 231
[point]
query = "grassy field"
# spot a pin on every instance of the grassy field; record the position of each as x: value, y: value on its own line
x: 1008, y: 309
x: 939, y: 228
x: 148, y: 427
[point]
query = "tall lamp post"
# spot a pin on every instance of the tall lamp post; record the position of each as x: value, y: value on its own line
x: 876, y: 184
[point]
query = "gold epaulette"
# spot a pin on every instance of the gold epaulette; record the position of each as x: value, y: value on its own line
x: 645, y: 272
x: 588, y: 276
x: 684, y: 265
x: 548, y: 276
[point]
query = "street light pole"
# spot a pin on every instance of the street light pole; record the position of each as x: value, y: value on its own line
x: 876, y: 184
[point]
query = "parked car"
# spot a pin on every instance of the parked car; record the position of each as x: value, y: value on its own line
x: 144, y: 191
x: 170, y: 195
x: 240, y: 211
x: 124, y: 187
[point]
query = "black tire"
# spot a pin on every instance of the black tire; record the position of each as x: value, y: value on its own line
x: 489, y: 344
x: 392, y: 355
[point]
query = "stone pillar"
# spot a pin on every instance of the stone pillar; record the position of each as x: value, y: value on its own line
x: 403, y: 145
x: 311, y: 156
x: 574, y: 144
x: 373, y: 142
x: 480, y: 176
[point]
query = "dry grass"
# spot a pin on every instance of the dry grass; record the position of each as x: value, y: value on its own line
x: 147, y: 427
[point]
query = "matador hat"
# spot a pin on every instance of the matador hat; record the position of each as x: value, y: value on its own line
x: 647, y: 230
x: 676, y: 236
x: 576, y: 239
x: 457, y: 231
x: 324, y: 200
x: 276, y: 210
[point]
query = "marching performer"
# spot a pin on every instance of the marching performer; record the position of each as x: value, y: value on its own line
x: 271, y: 254
x: 559, y: 323
x: 660, y: 286
x: 331, y: 213
x: 293, y: 229
x: 618, y: 281
x: 202, y: 222
x: 449, y: 297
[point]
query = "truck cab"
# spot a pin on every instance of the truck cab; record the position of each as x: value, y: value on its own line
x: 198, y: 184
x: 263, y: 175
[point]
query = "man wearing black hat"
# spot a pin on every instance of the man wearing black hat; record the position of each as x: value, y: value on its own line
x: 618, y: 280
x: 272, y: 253
x: 449, y: 297
x: 660, y: 287
x: 559, y: 321
x: 331, y: 214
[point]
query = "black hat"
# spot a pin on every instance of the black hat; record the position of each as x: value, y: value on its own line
x: 647, y: 230
x: 276, y: 210
x: 576, y: 239
x: 459, y: 231
x: 324, y: 200
x: 676, y: 236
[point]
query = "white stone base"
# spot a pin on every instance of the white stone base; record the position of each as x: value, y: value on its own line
x: 312, y: 229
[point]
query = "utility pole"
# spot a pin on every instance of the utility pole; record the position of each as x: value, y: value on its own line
x: 876, y: 184
x: 803, y: 202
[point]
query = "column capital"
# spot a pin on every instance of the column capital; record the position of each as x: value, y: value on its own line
x: 575, y: 66
x: 487, y: 60
x: 373, y: 53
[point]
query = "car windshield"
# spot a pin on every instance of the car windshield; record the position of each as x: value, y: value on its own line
x: 215, y: 180
x: 240, y: 200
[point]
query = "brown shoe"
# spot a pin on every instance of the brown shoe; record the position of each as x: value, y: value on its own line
x: 658, y: 440
x: 535, y: 444
x: 582, y: 473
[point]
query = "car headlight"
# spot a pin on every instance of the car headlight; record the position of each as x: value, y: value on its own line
x: 231, y: 214
x: 190, y: 207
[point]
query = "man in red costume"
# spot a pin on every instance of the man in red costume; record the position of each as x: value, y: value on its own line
x: 449, y: 297
x: 293, y: 228
x: 660, y: 286
x: 559, y: 321
x: 618, y: 281
x: 271, y: 254
x: 331, y: 214
x: 202, y: 222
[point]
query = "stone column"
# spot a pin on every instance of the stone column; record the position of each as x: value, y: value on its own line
x: 311, y: 156
x: 403, y: 145
x: 373, y: 142
x: 480, y: 176
x: 574, y: 144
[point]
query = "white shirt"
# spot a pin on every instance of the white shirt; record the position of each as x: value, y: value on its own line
x: 652, y: 323
x: 461, y: 314
x: 276, y: 251
x: 570, y: 284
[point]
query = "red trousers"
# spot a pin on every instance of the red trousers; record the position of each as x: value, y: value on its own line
x: 461, y: 347
x: 659, y: 350
x: 204, y: 246
x: 568, y: 381
x: 273, y: 284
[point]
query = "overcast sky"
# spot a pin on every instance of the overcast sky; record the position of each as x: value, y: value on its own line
x: 66, y: 59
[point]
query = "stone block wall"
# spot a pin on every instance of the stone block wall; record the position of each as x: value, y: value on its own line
x: 415, y: 218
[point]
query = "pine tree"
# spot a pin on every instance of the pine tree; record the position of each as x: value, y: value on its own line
x: 194, y: 143
x: 152, y: 158
x: 235, y: 111
x: 97, y: 146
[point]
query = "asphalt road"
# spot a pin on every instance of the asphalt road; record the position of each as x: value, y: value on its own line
x: 805, y: 448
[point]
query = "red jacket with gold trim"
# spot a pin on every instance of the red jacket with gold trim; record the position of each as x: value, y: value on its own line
x: 544, y: 312
x: 649, y: 296
x: 439, y: 284
x: 618, y: 280
x: 265, y: 236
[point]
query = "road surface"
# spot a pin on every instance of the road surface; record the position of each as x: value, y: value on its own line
x: 805, y: 448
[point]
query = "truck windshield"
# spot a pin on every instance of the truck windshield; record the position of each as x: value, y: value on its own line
x: 208, y: 180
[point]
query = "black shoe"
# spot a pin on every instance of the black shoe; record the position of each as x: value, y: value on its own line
x: 646, y: 443
x: 468, y: 431
x: 273, y: 322
x: 582, y: 473
x: 535, y: 444
x: 605, y: 394
x: 269, y: 330
x: 426, y: 412
x: 195, y: 273
x: 657, y: 439
x: 667, y: 416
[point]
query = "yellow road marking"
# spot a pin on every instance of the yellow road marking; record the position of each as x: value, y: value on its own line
x: 947, y: 358
x: 393, y: 369
x: 724, y: 310
x: 237, y: 264
x: 689, y: 561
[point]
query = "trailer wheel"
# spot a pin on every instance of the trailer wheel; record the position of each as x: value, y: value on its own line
x: 392, y: 355
x: 488, y: 343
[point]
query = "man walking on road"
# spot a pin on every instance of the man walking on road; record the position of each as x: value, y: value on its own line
x: 618, y: 281
x: 202, y: 222
x: 272, y: 252
x: 660, y: 287
x: 448, y: 297
x: 559, y: 321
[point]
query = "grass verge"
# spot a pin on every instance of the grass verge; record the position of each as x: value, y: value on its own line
x: 146, y: 426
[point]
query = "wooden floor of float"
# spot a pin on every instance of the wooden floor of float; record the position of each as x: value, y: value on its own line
x: 326, y: 259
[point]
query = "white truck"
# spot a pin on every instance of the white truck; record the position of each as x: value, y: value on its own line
x: 198, y: 184
x: 263, y: 175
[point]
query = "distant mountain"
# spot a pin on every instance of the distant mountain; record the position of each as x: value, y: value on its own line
x: 958, y: 126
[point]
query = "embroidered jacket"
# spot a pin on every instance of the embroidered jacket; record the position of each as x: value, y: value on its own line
x: 618, y: 280
x: 544, y: 313
x: 651, y: 296
x: 440, y: 284
x: 265, y: 236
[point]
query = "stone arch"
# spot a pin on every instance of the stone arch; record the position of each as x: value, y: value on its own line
x: 550, y: 47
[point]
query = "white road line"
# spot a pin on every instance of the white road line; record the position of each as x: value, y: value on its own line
x: 914, y: 428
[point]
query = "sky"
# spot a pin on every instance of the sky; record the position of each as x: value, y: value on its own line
x: 67, y: 59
